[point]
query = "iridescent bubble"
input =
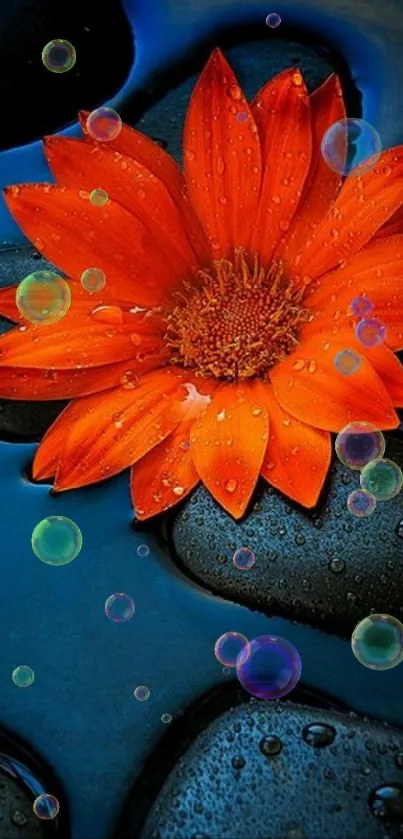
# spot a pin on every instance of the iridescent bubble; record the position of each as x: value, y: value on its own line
x: 43, y: 297
x: 166, y: 718
x: 377, y: 642
x: 93, y: 279
x: 46, y: 806
x: 23, y: 676
x: 228, y: 646
x: 143, y: 550
x: 56, y: 540
x: 383, y: 478
x: 358, y: 443
x: 99, y: 197
x: 59, y: 56
x: 361, y: 306
x: 119, y: 607
x: 347, y: 362
x: 142, y: 693
x: 351, y: 147
x: 243, y: 559
x: 371, y: 332
x: 104, y: 124
x: 361, y: 503
x: 273, y: 20
x: 268, y: 667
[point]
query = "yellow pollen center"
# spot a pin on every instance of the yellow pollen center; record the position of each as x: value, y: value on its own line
x: 241, y: 320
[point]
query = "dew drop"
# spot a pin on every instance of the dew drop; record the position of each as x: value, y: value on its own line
x: 231, y: 485
x: 298, y: 365
x: 235, y: 92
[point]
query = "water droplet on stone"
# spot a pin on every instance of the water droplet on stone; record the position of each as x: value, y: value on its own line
x: 238, y: 762
x: 386, y: 803
x: 318, y: 734
x: 337, y: 565
x: 270, y: 746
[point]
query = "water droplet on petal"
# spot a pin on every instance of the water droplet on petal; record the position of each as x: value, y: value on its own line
x: 190, y: 155
x: 231, y: 485
x: 297, y: 79
x: 235, y: 92
x: 312, y: 366
x: 220, y: 165
x: 299, y: 364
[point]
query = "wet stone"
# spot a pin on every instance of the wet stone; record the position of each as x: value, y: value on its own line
x: 343, y: 568
x: 342, y: 789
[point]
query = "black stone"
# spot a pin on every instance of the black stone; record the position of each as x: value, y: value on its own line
x: 323, y: 567
x: 223, y: 784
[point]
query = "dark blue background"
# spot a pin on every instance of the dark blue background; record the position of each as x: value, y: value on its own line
x: 80, y: 713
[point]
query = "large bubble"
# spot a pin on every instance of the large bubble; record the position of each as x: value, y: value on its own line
x: 43, y: 297
x: 268, y: 667
x: 351, y: 147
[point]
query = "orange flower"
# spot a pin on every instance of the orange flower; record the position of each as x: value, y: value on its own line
x: 209, y: 354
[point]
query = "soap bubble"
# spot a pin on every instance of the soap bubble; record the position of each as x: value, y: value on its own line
x: 23, y: 676
x: 166, y: 718
x: 228, y: 646
x: 383, y: 478
x: 361, y: 503
x: 46, y: 806
x: 93, y: 279
x: 59, y: 56
x: 351, y: 147
x: 377, y: 642
x: 104, y: 124
x: 143, y: 550
x: 56, y: 540
x: 273, y: 20
x: 370, y: 332
x: 347, y: 362
x: 99, y: 197
x: 43, y: 297
x: 268, y: 667
x: 119, y: 607
x: 243, y: 559
x: 142, y: 693
x: 358, y: 443
x: 361, y: 306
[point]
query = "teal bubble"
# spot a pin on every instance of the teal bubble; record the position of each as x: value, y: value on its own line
x: 23, y: 676
x: 99, y: 197
x: 377, y: 642
x: 43, y: 297
x: 351, y: 147
x: 46, y: 806
x: 383, y: 478
x: 56, y: 540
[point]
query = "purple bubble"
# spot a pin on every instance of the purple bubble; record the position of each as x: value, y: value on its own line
x: 242, y: 116
x: 243, y: 559
x: 361, y: 306
x: 268, y: 667
x: 361, y: 503
x: 370, y: 332
x: 273, y: 20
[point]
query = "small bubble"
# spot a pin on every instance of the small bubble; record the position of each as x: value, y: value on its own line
x: 377, y: 642
x: 43, y: 298
x: 243, y: 559
x: 119, y: 607
x: 273, y: 20
x: 361, y: 503
x: 228, y: 647
x: 347, y: 362
x: 104, y: 124
x: 58, y: 56
x: 361, y: 306
x: 93, y: 279
x: 23, y: 676
x: 99, y: 197
x: 46, y: 806
x: 371, y: 332
x: 143, y: 550
x: 166, y: 718
x: 142, y: 693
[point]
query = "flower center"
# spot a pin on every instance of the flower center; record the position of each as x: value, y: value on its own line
x: 241, y: 320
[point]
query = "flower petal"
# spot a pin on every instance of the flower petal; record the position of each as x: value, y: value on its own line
x: 222, y: 157
x: 322, y: 184
x: 375, y: 272
x: 228, y: 443
x: 78, y: 165
x: 139, y: 147
x: 309, y: 387
x: 75, y: 235
x: 27, y: 383
x: 297, y: 457
x: 393, y: 226
x: 118, y: 427
x: 362, y: 206
x: 165, y: 475
x: 50, y: 449
x: 283, y: 116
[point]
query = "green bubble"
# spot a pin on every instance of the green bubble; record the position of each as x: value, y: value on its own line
x: 93, y: 279
x: 43, y: 297
x: 59, y: 56
x: 377, y: 642
x: 56, y: 540
x: 382, y: 478
x: 99, y: 197
x: 23, y: 676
